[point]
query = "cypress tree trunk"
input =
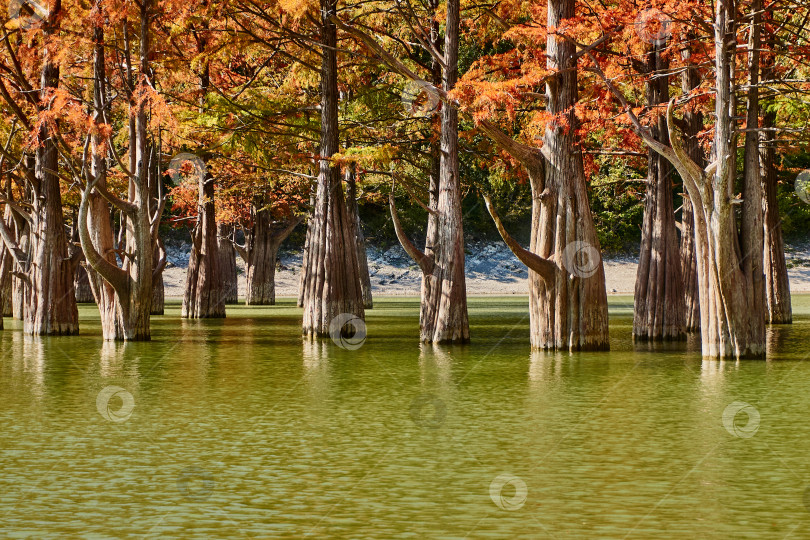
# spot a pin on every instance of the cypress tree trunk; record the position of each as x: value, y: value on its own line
x: 133, y: 284
x: 660, y: 311
x: 99, y: 223
x: 50, y: 303
x: 227, y: 264
x: 359, y: 239
x: 21, y: 232
x: 567, y: 295
x: 443, y: 315
x: 261, y: 254
x: 693, y: 125
x: 730, y: 273
x: 777, y: 285
x: 205, y: 288
x: 331, y: 282
x: 6, y: 266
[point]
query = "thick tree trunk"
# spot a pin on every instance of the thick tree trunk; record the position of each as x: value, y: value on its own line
x: 331, y: 284
x: 6, y: 267
x: 777, y: 285
x: 158, y: 303
x: 660, y: 311
x: 359, y: 239
x: 568, y: 307
x: 205, y: 288
x: 50, y: 303
x: 305, y: 256
x: 227, y: 264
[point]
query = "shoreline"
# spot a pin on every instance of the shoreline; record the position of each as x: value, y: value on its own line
x: 491, y: 270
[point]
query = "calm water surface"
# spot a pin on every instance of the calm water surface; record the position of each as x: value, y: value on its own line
x: 237, y: 428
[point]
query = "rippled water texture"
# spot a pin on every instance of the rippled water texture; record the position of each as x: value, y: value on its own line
x: 238, y: 428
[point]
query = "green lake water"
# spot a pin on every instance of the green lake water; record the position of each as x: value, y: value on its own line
x: 238, y: 428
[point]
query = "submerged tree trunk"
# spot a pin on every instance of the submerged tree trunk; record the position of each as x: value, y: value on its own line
x: 777, y: 285
x: 659, y: 312
x: 443, y: 316
x: 693, y: 125
x: 359, y: 239
x: 6, y: 267
x: 261, y: 253
x: 205, y: 288
x: 567, y: 295
x: 20, y: 230
x: 133, y: 284
x: 50, y: 303
x: 227, y: 264
x: 331, y: 282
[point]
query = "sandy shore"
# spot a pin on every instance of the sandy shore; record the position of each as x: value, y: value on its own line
x: 491, y: 269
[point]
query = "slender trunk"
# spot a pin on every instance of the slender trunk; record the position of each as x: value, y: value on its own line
x: 6, y: 267
x: 443, y: 314
x: 158, y: 288
x: 227, y: 264
x: 359, y: 239
x: 305, y: 256
x: 331, y: 277
x: 50, y: 303
x: 777, y: 285
x: 21, y: 230
x: 444, y: 292
x: 205, y: 289
x: 693, y: 125
x: 660, y: 311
